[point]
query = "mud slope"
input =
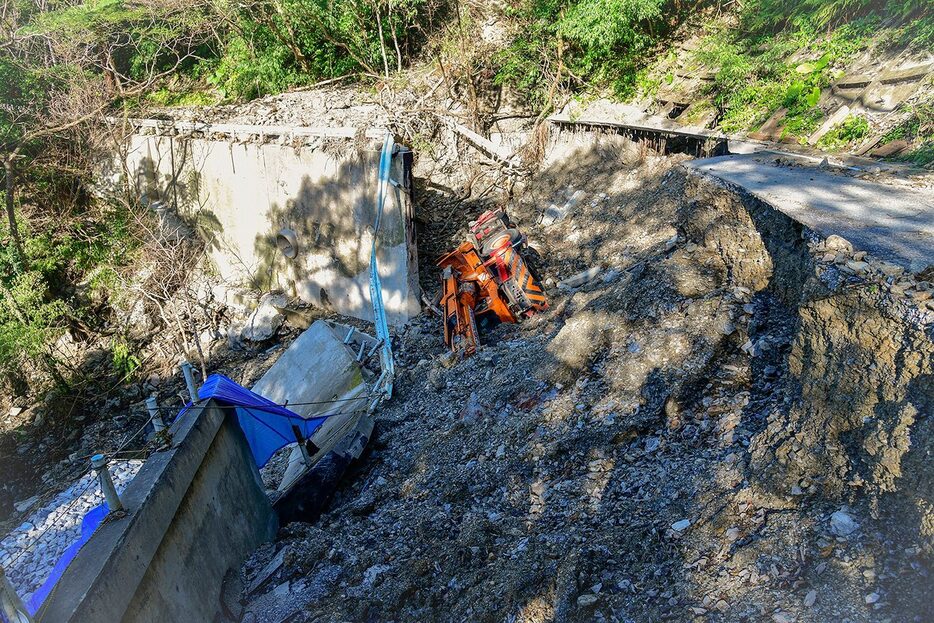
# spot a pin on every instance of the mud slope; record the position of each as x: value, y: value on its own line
x: 668, y: 442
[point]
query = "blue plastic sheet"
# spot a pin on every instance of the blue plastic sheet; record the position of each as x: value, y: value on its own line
x: 267, y: 426
x: 89, y: 525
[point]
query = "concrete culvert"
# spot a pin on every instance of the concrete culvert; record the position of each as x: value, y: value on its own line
x: 287, y: 243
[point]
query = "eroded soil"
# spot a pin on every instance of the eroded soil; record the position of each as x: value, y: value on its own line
x: 593, y: 463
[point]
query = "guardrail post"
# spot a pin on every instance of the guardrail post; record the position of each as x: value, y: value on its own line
x: 158, y: 424
x: 12, y: 607
x: 99, y: 463
x: 190, y: 382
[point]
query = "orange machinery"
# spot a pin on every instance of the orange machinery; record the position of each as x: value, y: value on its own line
x: 486, y: 276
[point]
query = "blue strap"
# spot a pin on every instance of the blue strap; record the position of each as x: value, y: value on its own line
x: 387, y: 364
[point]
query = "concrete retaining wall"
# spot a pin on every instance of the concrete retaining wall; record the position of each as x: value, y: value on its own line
x: 193, y: 513
x: 240, y: 195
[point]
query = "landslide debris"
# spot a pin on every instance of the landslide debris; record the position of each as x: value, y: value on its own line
x: 603, y: 461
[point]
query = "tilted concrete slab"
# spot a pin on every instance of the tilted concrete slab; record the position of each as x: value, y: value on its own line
x: 890, y: 222
x: 319, y: 375
x: 316, y: 368
x: 240, y: 195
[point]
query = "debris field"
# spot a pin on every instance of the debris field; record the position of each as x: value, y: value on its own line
x: 619, y: 456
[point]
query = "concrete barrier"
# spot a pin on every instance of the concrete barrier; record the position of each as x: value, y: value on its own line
x: 317, y: 199
x: 194, y: 512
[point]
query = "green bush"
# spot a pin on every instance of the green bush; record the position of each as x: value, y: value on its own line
x: 603, y: 42
x: 124, y: 362
x: 774, y: 15
x: 38, y: 304
x: 755, y: 78
x: 847, y: 132
x: 250, y: 69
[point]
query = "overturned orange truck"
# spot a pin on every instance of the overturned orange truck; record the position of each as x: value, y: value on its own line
x: 486, y: 276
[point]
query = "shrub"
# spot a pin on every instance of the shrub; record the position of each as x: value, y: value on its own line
x: 848, y: 131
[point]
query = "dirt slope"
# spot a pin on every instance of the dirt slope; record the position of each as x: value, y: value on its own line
x: 594, y: 464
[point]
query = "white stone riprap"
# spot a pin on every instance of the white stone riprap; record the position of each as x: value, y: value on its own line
x: 30, y: 551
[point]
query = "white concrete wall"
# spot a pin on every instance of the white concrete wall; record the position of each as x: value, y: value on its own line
x: 239, y: 195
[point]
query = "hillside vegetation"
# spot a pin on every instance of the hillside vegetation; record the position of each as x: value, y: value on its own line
x: 65, y: 65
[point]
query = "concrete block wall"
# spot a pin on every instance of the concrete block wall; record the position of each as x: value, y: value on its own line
x: 239, y: 196
x: 194, y: 512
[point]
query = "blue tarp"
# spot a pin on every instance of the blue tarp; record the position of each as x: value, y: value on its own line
x: 89, y: 524
x: 267, y: 426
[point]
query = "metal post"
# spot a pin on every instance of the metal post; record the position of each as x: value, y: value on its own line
x: 306, y: 458
x: 158, y: 424
x: 99, y: 463
x: 190, y: 381
x: 11, y: 606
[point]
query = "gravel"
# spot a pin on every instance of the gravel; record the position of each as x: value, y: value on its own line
x: 30, y: 551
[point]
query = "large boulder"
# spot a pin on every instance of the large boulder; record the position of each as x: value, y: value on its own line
x: 265, y: 319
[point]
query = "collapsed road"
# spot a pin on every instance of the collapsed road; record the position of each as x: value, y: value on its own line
x: 722, y: 415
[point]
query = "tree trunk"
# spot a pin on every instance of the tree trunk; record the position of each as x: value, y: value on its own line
x: 11, y: 211
x: 382, y: 41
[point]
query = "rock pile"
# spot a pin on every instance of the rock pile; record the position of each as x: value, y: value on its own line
x: 596, y: 463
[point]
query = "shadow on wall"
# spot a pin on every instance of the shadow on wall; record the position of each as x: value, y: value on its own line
x: 239, y: 202
x: 333, y: 220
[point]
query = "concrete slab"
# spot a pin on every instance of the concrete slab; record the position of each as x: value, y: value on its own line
x: 853, y: 81
x: 316, y: 368
x: 319, y: 375
x: 838, y: 117
x: 772, y: 129
x: 611, y: 114
x: 891, y: 222
x: 193, y: 513
x: 916, y: 73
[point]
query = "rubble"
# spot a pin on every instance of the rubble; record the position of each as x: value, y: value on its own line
x: 266, y: 319
x: 842, y: 524
x: 672, y: 441
x: 596, y: 462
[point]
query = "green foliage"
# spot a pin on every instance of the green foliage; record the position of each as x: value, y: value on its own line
x: 30, y: 320
x: 125, y: 363
x: 133, y: 40
x: 917, y: 129
x: 36, y: 305
x: 845, y: 133
x: 606, y: 42
x: 256, y: 67
x: 281, y: 44
x: 168, y: 97
x: 25, y: 93
x: 773, y: 15
x: 919, y: 124
x: 609, y: 36
x: 922, y: 155
x: 755, y: 76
